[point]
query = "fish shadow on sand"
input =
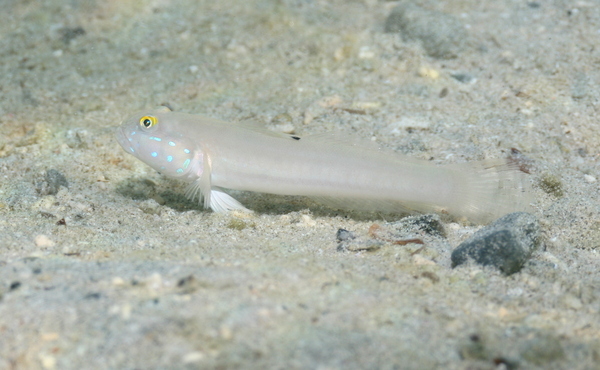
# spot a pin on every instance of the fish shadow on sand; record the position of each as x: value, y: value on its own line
x: 170, y: 193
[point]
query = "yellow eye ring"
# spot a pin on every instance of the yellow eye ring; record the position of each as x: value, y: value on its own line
x: 148, y: 121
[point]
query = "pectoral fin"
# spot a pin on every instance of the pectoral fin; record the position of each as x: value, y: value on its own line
x: 214, y: 198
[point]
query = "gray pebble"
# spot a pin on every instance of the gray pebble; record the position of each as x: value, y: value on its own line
x: 430, y: 224
x: 150, y: 206
x: 343, y: 235
x: 78, y: 138
x: 52, y: 182
x: 441, y: 35
x: 505, y: 244
x: 347, y: 241
x: 464, y: 78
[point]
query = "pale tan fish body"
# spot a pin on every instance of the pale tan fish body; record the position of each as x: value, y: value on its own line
x: 213, y: 155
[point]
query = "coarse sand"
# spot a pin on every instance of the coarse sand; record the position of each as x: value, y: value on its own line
x: 105, y: 265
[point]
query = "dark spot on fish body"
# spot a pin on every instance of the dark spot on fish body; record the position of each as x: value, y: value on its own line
x: 295, y: 137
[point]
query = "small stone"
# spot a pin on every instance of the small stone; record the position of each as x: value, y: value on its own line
x: 42, y: 241
x: 400, y: 127
x: 505, y: 244
x: 441, y: 35
x: 308, y: 221
x: 347, y: 241
x: 117, y: 281
x: 126, y: 311
x: 365, y: 53
x: 419, y: 260
x: 428, y: 72
x: 188, y: 284
x: 48, y: 362
x: 52, y: 182
x: 343, y: 235
x: 589, y: 179
x: 429, y: 224
x: 464, y: 78
x: 282, y: 123
x: 78, y: 138
x: 150, y: 207
x: 193, y: 357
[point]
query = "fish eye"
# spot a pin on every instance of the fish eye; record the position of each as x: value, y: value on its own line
x: 148, y: 121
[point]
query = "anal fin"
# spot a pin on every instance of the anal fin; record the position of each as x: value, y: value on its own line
x: 223, y: 202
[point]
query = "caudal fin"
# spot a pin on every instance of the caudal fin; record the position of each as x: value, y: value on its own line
x: 489, y: 189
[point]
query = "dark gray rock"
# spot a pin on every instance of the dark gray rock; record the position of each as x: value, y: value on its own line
x: 441, y: 35
x: 52, y: 183
x: 344, y: 235
x: 505, y: 244
x: 430, y: 224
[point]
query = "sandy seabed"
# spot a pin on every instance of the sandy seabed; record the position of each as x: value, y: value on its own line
x: 118, y: 270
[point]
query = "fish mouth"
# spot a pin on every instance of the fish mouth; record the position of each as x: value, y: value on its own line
x: 122, y: 139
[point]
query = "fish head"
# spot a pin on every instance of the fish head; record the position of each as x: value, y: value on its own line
x: 149, y: 136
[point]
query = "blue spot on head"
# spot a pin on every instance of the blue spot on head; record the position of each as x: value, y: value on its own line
x: 154, y: 154
x: 132, y: 150
x: 132, y: 132
x: 169, y: 158
x: 179, y: 170
x: 171, y: 143
x: 155, y: 138
x: 186, y: 163
x: 186, y: 151
x: 130, y: 139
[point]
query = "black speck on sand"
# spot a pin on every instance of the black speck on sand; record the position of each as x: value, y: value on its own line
x: 119, y: 271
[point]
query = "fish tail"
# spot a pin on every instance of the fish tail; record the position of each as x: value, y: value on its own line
x: 486, y: 190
